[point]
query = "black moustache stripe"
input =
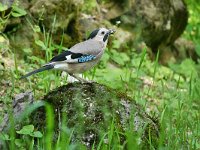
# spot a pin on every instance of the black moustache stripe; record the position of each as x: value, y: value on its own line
x: 105, y: 37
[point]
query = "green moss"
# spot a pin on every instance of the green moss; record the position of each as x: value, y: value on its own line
x: 91, y: 109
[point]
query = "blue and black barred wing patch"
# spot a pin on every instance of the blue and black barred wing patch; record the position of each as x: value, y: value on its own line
x: 85, y: 58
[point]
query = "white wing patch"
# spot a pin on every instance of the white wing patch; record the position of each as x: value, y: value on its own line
x: 70, y: 60
x: 68, y: 57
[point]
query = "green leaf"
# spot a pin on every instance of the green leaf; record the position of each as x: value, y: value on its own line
x: 4, y: 137
x: 26, y: 130
x: 27, y: 50
x: 116, y: 44
x: 36, y: 28
x: 104, y: 60
x: 19, y: 142
x: 197, y: 49
x: 186, y: 68
x: 119, y: 57
x: 3, y: 7
x: 41, y: 44
x: 18, y: 12
x: 37, y: 134
x: 37, y: 59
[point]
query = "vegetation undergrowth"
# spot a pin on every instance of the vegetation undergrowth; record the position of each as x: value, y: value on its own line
x: 170, y: 94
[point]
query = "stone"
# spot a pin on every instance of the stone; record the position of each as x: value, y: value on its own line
x: 90, y: 109
x: 20, y: 102
x: 162, y: 21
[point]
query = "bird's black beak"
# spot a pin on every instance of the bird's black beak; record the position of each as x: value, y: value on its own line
x: 111, y: 31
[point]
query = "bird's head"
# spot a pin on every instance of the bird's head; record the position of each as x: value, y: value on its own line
x: 101, y: 34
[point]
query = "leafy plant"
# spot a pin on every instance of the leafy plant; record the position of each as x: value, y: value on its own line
x: 170, y: 93
x: 186, y: 68
x: 120, y: 58
x: 16, y: 11
x: 29, y: 130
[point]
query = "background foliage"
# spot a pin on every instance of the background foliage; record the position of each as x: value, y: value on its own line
x: 169, y: 93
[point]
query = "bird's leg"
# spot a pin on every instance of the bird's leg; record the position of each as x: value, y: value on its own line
x: 79, y: 78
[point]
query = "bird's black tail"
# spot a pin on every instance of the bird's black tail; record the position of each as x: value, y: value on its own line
x: 47, y: 67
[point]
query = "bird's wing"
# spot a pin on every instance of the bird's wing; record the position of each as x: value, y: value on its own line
x: 80, y: 53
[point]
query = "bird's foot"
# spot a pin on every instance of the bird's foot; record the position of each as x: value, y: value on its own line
x: 81, y: 79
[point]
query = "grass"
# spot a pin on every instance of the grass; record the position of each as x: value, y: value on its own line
x: 175, y: 102
x: 170, y: 94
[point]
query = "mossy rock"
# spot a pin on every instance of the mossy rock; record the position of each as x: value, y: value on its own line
x: 91, y: 109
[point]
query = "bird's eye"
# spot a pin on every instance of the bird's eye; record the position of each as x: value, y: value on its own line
x: 102, y: 32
